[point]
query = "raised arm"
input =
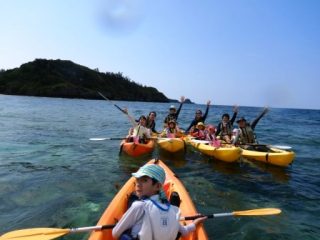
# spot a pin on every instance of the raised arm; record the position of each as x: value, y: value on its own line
x: 255, y: 122
x: 132, y: 120
x: 207, y: 110
x: 182, y: 99
x: 235, y: 112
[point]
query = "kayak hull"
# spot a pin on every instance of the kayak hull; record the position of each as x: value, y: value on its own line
x: 118, y: 206
x: 137, y: 149
x: 277, y: 157
x: 171, y: 145
x: 226, y: 153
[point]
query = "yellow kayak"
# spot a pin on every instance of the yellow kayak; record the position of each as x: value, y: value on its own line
x: 270, y: 155
x: 171, y: 145
x: 118, y: 206
x: 226, y: 153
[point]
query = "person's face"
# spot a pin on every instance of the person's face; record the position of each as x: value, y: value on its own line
x: 152, y: 116
x: 143, y: 121
x: 198, y: 115
x: 145, y: 187
x: 225, y: 119
x: 172, y: 125
x: 172, y: 110
x: 212, y: 130
x: 242, y: 123
x: 201, y: 127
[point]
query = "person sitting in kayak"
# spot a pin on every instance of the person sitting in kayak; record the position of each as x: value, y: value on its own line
x: 172, y: 131
x: 246, y: 130
x: 151, y: 122
x: 224, y: 129
x: 152, y: 217
x: 139, y: 133
x: 211, y: 136
x: 199, y: 132
x: 173, y: 113
x: 199, y: 117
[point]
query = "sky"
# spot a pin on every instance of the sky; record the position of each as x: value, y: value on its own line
x: 243, y: 52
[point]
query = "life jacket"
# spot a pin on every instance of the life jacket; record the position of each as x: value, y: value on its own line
x: 199, y: 134
x: 225, y: 129
x: 246, y: 135
x: 160, y: 221
x: 171, y: 133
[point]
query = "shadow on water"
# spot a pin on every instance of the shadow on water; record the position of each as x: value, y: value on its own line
x: 172, y: 159
x: 279, y: 174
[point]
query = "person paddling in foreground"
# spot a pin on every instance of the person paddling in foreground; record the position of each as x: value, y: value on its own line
x: 224, y: 129
x: 152, y: 217
x: 245, y: 134
x: 139, y: 132
x: 173, y: 113
x: 199, y: 117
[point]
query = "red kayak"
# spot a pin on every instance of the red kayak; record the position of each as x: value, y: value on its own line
x: 136, y: 149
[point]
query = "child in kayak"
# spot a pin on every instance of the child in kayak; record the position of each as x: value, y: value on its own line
x: 172, y: 131
x: 199, y: 132
x: 139, y: 132
x: 152, y: 217
x: 211, y: 136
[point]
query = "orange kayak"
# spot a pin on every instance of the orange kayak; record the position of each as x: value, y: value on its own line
x: 137, y: 149
x: 118, y: 206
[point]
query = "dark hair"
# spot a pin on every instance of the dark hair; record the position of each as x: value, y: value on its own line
x: 154, y: 181
x: 226, y: 115
x: 142, y: 117
x: 155, y: 114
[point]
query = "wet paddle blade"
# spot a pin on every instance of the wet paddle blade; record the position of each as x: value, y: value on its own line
x: 35, y: 234
x: 257, y: 212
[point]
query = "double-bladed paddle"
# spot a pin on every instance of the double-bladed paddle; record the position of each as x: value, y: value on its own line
x: 52, y: 233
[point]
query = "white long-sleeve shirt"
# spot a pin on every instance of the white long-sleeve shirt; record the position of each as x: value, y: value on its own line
x: 143, y: 218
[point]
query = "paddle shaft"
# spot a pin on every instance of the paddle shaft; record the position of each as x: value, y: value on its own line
x: 92, y: 228
x: 112, y: 103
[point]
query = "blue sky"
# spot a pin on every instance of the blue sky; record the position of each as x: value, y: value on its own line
x: 245, y: 52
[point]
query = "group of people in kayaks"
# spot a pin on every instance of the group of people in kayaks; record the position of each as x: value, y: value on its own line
x: 144, y: 128
x: 150, y: 215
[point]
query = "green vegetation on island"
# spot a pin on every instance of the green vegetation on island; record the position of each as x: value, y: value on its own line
x: 61, y: 78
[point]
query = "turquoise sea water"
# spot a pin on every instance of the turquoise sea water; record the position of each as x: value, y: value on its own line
x: 51, y: 175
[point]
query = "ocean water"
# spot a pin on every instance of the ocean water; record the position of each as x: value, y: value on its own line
x: 51, y: 175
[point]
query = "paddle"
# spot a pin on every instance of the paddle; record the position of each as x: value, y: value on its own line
x: 282, y: 147
x: 253, y: 212
x: 51, y: 233
x: 112, y: 103
x: 116, y: 138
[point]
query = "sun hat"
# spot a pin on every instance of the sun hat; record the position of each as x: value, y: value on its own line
x: 200, y: 124
x: 172, y: 107
x: 241, y: 119
x: 152, y: 171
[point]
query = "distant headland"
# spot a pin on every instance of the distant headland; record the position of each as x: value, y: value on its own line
x: 63, y: 78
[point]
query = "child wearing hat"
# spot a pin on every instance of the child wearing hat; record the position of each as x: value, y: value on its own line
x: 172, y: 130
x: 199, y: 132
x: 153, y: 217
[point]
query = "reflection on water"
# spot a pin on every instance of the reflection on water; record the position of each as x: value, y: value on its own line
x: 279, y: 174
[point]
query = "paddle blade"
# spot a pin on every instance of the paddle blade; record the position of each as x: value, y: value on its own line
x: 35, y: 234
x: 257, y: 212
